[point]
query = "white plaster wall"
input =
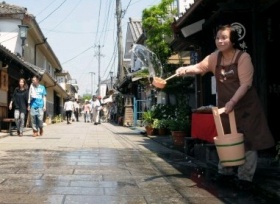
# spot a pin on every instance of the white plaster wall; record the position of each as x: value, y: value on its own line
x: 61, y: 81
x: 9, y: 35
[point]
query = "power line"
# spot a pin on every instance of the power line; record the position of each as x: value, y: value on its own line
x: 46, y: 8
x: 126, y: 8
x: 113, y: 57
x: 75, y: 7
x: 105, y: 25
x: 98, y: 21
x: 77, y: 55
x: 53, y: 11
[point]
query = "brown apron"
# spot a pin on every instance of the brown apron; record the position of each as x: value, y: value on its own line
x: 249, y: 114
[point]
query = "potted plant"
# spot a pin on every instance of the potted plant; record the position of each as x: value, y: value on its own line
x: 156, y: 123
x: 162, y: 126
x: 148, y: 119
x: 180, y: 123
x: 155, y: 126
x: 180, y: 128
x: 57, y: 119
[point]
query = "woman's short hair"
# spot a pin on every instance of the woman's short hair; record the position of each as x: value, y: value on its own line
x: 234, y: 37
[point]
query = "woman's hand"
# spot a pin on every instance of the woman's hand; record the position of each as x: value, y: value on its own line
x: 181, y: 71
x: 229, y: 106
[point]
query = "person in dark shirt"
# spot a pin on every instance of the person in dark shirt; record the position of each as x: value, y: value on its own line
x: 20, y: 101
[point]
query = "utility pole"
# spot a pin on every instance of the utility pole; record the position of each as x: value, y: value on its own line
x: 99, y: 77
x: 91, y: 73
x: 120, y: 73
x: 93, y: 80
x: 111, y: 76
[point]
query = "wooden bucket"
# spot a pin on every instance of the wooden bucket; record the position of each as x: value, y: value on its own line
x: 230, y: 147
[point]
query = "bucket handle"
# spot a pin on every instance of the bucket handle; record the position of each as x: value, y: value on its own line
x: 216, y: 113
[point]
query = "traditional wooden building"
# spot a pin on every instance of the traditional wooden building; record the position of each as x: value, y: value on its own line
x: 18, y: 28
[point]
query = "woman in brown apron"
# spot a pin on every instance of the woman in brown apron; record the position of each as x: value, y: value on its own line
x: 233, y: 70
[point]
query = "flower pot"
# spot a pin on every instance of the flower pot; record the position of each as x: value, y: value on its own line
x: 178, y: 138
x: 150, y: 130
x: 162, y: 131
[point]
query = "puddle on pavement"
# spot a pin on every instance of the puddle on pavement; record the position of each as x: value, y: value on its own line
x: 42, y: 161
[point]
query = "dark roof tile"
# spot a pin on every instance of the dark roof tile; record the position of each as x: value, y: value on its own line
x: 13, y: 9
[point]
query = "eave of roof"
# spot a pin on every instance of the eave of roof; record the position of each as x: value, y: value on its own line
x: 51, y: 82
x: 32, y: 68
x: 192, y: 8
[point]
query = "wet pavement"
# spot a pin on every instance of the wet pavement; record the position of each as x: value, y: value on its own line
x: 86, y: 163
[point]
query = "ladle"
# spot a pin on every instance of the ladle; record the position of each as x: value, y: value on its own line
x: 171, y: 77
x: 160, y: 83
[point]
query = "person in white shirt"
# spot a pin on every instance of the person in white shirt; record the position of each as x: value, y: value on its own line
x: 96, y: 107
x: 68, y: 107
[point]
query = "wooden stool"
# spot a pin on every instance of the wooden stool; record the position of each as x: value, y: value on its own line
x: 10, y: 121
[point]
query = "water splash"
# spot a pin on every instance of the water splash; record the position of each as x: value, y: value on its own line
x: 148, y: 61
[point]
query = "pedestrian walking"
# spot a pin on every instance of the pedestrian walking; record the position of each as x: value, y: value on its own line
x: 113, y: 112
x: 20, y: 102
x: 233, y: 71
x: 96, y: 107
x: 68, y: 108
x: 37, y: 105
x: 87, y: 111
x: 73, y: 117
x: 76, y: 109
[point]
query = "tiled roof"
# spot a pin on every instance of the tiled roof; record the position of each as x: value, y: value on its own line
x: 12, y: 9
x: 134, y: 31
x: 39, y: 70
x: 188, y: 12
x: 135, y: 26
x: 33, y: 68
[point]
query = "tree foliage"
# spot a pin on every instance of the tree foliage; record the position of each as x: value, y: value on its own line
x: 156, y: 22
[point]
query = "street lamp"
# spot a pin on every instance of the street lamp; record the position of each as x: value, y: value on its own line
x: 111, y: 75
x: 23, y: 35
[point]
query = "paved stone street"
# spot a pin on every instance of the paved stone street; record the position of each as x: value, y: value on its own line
x: 86, y: 163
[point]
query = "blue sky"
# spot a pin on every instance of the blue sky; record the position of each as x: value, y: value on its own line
x: 74, y: 29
